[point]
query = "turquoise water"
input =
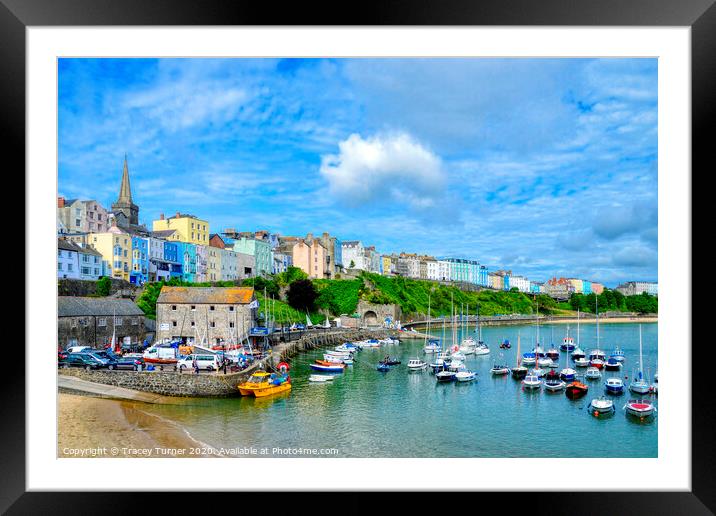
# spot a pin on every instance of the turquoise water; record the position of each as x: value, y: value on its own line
x: 366, y: 413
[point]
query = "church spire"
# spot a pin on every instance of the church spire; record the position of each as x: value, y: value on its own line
x: 125, y: 192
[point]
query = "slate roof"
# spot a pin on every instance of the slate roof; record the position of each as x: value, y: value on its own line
x: 206, y: 295
x: 164, y: 233
x: 69, y: 245
x: 71, y: 306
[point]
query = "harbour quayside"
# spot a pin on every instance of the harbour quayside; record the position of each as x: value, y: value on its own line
x: 360, y: 393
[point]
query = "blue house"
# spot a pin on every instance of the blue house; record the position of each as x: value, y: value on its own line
x: 187, y: 257
x: 171, y: 255
x: 586, y: 287
x: 139, y: 273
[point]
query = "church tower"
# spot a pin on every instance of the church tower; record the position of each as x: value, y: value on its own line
x: 125, y: 211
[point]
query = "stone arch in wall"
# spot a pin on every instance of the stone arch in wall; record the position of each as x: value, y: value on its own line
x: 370, y: 318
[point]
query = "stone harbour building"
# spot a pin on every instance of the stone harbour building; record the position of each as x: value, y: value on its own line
x: 206, y: 315
x: 90, y: 321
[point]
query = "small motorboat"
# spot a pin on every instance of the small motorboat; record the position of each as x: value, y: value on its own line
x: 332, y: 368
x: 581, y: 362
x: 334, y: 359
x: 482, y: 349
x: 545, y: 362
x: 415, y: 364
x: 597, y: 354
x: 640, y: 408
x: 554, y: 384
x: 498, y: 370
x: 391, y: 361
x: 617, y: 354
x: 529, y: 359
x: 261, y: 384
x: 553, y: 354
x: 465, y: 376
x: 568, y: 374
x: 576, y: 390
x: 505, y: 344
x: 445, y: 376
x: 601, y: 406
x: 320, y: 378
x: 614, y: 386
x: 577, y: 353
x: 567, y: 343
x: 593, y: 374
x: 596, y: 362
x: 612, y: 364
x: 433, y: 346
x: 656, y: 377
x: 383, y: 367
x: 519, y: 372
x: 654, y: 389
x: 531, y: 381
x: 455, y: 365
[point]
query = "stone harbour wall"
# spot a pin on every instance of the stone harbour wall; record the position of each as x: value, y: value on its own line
x: 167, y: 383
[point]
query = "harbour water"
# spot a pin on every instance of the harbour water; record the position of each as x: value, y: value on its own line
x: 366, y: 413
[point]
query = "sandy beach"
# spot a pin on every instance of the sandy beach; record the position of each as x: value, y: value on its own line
x: 97, y: 427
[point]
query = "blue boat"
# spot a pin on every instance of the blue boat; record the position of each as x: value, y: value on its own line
x: 612, y: 364
x: 617, y: 355
x: 383, y: 367
x: 614, y: 386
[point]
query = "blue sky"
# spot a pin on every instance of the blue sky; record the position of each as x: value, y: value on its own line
x: 543, y: 166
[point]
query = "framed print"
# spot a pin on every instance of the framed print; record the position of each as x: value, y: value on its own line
x: 420, y: 251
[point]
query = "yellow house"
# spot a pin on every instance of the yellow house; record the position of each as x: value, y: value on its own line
x: 187, y: 228
x: 116, y: 248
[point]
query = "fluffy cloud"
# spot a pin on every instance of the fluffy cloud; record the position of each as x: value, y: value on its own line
x: 394, y: 166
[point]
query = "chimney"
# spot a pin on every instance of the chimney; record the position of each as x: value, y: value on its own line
x: 60, y: 202
x: 178, y: 214
x: 161, y: 216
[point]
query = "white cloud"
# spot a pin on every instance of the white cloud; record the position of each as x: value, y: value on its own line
x: 384, y: 167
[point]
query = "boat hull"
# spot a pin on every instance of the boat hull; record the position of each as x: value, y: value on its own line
x: 576, y: 391
x: 273, y: 389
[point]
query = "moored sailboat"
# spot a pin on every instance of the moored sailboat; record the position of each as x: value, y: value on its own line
x: 519, y: 371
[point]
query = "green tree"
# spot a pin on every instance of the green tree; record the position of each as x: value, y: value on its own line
x: 302, y: 295
x: 104, y: 286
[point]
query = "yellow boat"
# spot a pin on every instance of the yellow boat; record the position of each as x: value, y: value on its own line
x: 262, y: 384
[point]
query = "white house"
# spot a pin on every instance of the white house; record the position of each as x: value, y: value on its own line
x: 77, y: 262
x: 353, y: 253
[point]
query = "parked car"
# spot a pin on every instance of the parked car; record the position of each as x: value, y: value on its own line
x: 109, y: 361
x: 78, y: 349
x: 85, y: 360
x: 62, y: 355
x: 206, y: 362
x: 136, y: 363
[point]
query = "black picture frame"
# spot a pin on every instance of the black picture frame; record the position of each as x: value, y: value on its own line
x: 700, y: 15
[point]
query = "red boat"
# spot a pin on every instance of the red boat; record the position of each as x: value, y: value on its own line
x: 576, y: 390
x: 597, y: 362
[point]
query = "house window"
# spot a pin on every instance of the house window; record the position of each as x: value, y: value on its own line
x: 231, y: 309
x: 212, y: 324
x: 73, y: 323
x: 211, y: 308
x: 118, y: 321
x: 231, y: 325
x: 102, y: 321
x: 193, y: 307
x: 59, y: 266
x: 193, y: 324
x: 135, y: 321
x: 174, y: 307
x: 174, y: 323
x: 69, y: 267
